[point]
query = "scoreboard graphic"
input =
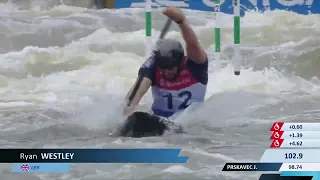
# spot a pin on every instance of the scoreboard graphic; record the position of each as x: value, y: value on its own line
x: 294, y: 151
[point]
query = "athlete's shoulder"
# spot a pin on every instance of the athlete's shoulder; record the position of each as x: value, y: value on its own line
x: 199, y: 71
x: 148, y: 69
x: 149, y: 63
x: 192, y: 63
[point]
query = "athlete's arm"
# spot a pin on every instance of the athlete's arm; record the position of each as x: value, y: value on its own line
x: 143, y: 88
x: 194, y: 50
x: 147, y: 73
x: 131, y: 89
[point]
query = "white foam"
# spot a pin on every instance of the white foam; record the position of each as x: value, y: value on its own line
x: 14, y: 104
x: 177, y: 169
x: 211, y: 155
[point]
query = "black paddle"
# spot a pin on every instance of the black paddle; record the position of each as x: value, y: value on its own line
x: 136, y: 87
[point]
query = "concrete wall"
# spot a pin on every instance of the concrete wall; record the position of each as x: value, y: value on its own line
x: 87, y: 3
x: 50, y: 3
x: 79, y: 3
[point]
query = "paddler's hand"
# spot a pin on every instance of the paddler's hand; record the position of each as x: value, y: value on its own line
x: 126, y: 110
x: 175, y: 14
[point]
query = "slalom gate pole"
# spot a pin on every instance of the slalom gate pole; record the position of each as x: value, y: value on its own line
x: 217, y: 53
x: 236, y: 35
x: 148, y: 44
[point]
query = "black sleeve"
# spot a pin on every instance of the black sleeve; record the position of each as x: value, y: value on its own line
x: 199, y: 71
x: 148, y: 69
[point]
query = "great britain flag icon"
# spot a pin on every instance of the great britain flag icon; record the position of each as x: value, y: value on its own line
x: 25, y: 167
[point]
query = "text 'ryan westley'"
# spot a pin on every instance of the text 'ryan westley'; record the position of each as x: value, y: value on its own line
x: 53, y: 156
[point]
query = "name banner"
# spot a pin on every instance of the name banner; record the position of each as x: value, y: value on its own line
x: 297, y: 6
x: 91, y: 156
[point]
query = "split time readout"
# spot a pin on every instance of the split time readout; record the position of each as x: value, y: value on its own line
x: 266, y: 166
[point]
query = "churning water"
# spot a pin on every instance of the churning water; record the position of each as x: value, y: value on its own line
x: 65, y: 70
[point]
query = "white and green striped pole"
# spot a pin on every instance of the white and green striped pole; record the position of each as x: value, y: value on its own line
x: 148, y: 43
x: 217, y: 31
x: 236, y: 34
